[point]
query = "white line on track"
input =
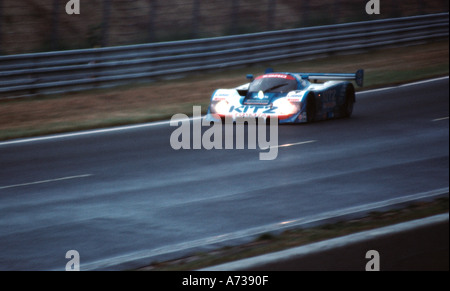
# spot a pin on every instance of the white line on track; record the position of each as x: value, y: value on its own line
x: 90, y: 132
x: 291, y: 144
x: 46, y: 181
x: 439, y: 119
x: 403, y: 85
x: 423, y: 81
x: 165, y: 122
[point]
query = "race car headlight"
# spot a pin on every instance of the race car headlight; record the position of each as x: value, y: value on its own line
x: 220, y: 107
x: 284, y: 107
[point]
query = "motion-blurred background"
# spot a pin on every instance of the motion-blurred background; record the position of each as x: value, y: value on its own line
x: 42, y: 25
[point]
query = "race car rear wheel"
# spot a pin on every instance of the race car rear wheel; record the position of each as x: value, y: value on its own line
x: 347, y: 108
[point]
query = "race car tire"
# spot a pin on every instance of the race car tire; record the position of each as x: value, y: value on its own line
x: 310, y: 108
x: 347, y: 108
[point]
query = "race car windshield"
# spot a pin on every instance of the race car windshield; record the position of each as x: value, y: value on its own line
x: 273, y: 85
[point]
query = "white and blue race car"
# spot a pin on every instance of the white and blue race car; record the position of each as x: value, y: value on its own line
x: 290, y: 97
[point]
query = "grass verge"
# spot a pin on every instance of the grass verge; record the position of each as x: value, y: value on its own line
x: 162, y: 99
x: 267, y: 243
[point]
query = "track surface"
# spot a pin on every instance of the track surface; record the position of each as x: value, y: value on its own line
x: 112, y: 194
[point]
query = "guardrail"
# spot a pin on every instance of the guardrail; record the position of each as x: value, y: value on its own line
x: 76, y: 70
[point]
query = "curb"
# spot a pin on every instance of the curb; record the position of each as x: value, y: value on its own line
x: 272, y: 260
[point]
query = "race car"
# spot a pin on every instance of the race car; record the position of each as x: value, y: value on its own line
x: 291, y: 97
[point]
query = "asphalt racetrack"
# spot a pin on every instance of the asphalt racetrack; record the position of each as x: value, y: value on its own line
x: 122, y: 197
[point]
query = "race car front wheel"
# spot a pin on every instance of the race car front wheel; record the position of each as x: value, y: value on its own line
x: 310, y: 108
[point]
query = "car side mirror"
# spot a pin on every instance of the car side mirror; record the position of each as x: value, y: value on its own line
x: 250, y: 77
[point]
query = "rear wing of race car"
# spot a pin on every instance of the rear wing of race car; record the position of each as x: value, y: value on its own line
x: 358, y: 77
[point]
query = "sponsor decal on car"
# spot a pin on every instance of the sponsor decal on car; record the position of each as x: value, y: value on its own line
x: 280, y: 76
